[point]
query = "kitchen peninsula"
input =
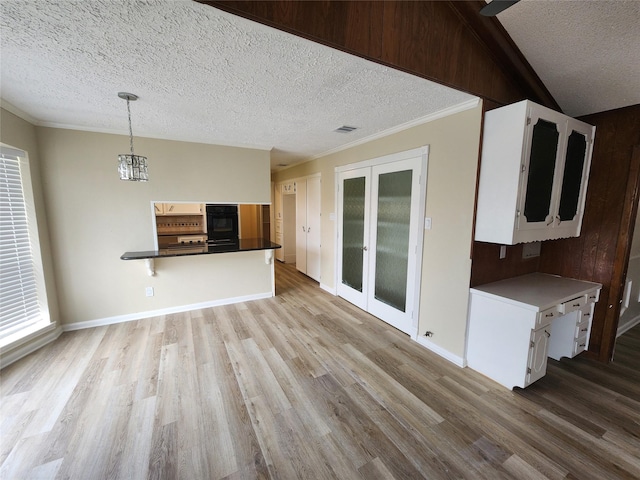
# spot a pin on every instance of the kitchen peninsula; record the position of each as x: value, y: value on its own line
x: 242, y: 245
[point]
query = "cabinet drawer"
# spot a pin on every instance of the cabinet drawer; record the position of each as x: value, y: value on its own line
x: 580, y: 345
x: 545, y: 317
x: 573, y: 305
x: 582, y: 329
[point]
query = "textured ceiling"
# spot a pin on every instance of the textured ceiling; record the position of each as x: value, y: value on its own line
x: 202, y: 75
x: 586, y: 52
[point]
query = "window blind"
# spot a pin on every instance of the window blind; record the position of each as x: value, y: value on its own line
x: 19, y: 306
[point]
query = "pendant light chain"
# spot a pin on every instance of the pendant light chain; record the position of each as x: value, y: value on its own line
x: 130, y: 129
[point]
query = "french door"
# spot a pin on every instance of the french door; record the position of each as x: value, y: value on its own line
x: 380, y: 208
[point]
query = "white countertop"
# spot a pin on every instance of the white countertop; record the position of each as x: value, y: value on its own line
x: 536, y: 291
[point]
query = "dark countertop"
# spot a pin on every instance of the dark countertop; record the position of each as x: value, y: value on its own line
x: 243, y: 245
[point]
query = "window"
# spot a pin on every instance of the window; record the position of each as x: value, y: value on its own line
x: 22, y: 301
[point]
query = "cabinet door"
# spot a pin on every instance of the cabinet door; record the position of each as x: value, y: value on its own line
x: 577, y: 148
x: 538, y: 348
x: 182, y: 209
x: 277, y: 202
x: 540, y: 169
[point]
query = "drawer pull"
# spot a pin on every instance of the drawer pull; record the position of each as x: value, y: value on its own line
x: 587, y: 314
x: 549, y: 314
x: 576, y: 304
x: 548, y: 334
x: 592, y: 297
x: 583, y: 344
x: 584, y: 329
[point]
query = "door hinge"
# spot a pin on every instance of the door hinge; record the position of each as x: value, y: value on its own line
x: 532, y: 344
x: 528, y: 120
x: 528, y: 370
x: 523, y: 168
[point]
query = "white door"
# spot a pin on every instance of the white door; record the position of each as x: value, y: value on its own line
x: 353, y: 232
x: 301, y: 226
x: 393, y: 244
x: 313, y: 227
x: 379, y: 237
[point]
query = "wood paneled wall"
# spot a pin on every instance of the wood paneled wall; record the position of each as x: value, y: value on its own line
x: 449, y: 43
x: 601, y: 253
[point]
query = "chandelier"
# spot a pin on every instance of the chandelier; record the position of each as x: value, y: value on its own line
x: 130, y: 166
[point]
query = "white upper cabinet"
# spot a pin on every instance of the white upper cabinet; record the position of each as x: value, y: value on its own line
x: 533, y: 175
x: 179, y: 208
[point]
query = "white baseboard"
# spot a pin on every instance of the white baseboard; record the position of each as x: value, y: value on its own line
x: 447, y: 355
x: 30, y: 344
x: 628, y: 326
x: 164, y: 311
x: 326, y: 288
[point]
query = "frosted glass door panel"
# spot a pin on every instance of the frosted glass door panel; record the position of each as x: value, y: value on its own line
x: 354, y: 205
x: 392, y: 246
x: 353, y: 232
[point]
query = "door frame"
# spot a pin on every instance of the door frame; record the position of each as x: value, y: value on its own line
x: 423, y: 154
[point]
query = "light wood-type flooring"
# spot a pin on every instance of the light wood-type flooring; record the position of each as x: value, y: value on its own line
x: 304, y: 385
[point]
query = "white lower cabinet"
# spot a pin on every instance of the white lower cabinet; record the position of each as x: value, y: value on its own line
x: 516, y: 324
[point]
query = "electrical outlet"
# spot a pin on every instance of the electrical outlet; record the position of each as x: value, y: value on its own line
x: 149, y: 291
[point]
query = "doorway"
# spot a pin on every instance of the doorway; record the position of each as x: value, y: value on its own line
x: 380, y: 221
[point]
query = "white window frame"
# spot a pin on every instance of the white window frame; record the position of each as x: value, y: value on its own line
x: 44, y: 323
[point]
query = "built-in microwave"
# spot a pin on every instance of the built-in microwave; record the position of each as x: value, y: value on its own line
x: 222, y: 224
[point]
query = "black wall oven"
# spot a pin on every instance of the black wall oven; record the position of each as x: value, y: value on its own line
x: 222, y: 224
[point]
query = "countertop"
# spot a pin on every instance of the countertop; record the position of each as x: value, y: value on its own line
x: 536, y: 291
x: 243, y: 245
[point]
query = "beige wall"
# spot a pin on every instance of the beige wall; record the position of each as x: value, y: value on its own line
x: 94, y: 218
x: 18, y: 133
x: 452, y: 169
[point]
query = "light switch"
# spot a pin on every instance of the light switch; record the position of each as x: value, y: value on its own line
x: 149, y: 291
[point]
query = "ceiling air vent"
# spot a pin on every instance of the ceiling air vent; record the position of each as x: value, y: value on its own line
x: 345, y: 129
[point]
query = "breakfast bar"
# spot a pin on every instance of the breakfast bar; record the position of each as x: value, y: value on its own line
x: 241, y: 245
